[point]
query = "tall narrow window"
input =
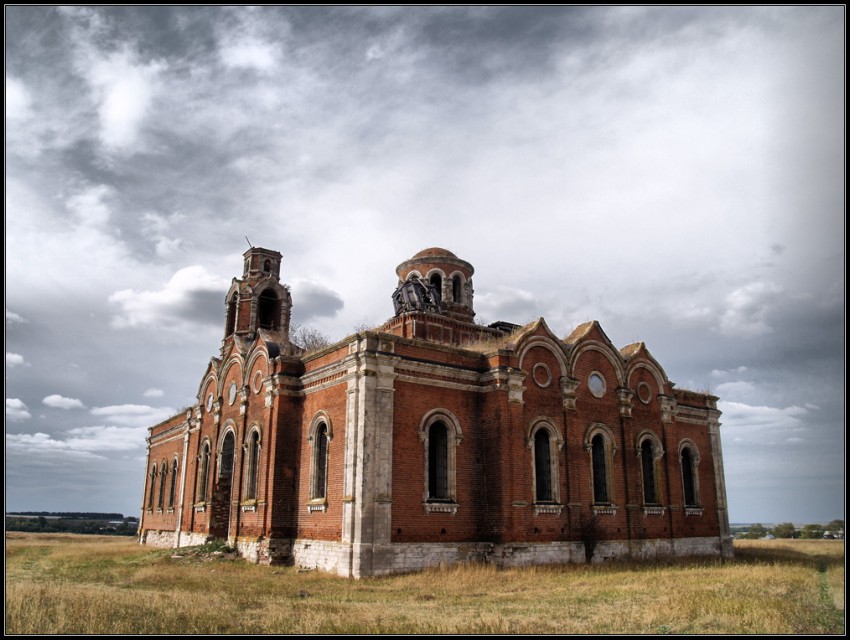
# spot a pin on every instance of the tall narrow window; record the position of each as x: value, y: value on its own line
x: 163, y: 476
x: 172, y: 487
x: 647, y: 458
x: 542, y: 467
x: 226, y: 465
x: 203, y: 472
x: 438, y: 462
x: 688, y: 479
x: 230, y: 325
x: 267, y: 266
x: 268, y: 312
x: 151, y: 487
x: 253, y: 465
x: 600, y: 470
x: 437, y: 282
x: 457, y: 290
x: 320, y: 463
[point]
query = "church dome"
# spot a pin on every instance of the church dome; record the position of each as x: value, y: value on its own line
x: 434, y: 252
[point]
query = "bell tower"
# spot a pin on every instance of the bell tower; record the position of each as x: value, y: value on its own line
x: 258, y: 301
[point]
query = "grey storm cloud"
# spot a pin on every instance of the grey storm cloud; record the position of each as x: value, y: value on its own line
x: 672, y: 172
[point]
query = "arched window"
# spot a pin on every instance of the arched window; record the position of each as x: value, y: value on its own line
x: 172, y: 487
x: 689, y: 478
x: 600, y: 470
x: 203, y: 472
x: 438, y: 462
x: 163, y: 475
x: 457, y: 289
x: 151, y: 487
x: 319, y: 484
x: 440, y: 434
x: 542, y: 467
x: 436, y: 281
x: 267, y: 266
x: 230, y: 324
x: 253, y: 465
x: 225, y: 468
x: 268, y: 311
x: 647, y: 462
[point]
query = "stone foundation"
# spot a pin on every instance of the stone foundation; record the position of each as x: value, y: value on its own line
x: 357, y: 561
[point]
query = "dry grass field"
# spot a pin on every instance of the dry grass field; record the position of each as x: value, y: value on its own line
x: 95, y: 585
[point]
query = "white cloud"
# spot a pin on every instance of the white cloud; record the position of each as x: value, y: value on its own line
x: 16, y: 410
x: 13, y: 317
x: 15, y: 360
x: 84, y: 442
x: 59, y: 402
x: 737, y: 388
x: 721, y: 373
x: 192, y: 295
x: 134, y: 415
x: 153, y: 393
x: 158, y: 229
x: 747, y: 309
x: 18, y: 99
x: 250, y: 54
x: 89, y: 207
x: 375, y: 52
x: 738, y: 415
x: 124, y: 91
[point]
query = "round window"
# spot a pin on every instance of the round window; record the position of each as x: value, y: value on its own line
x: 209, y: 402
x: 596, y: 384
x: 258, y: 382
x: 231, y: 393
x: 644, y: 393
x: 541, y: 374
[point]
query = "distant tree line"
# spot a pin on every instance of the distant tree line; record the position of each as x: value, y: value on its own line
x: 87, y: 515
x: 834, y: 529
x: 47, y: 522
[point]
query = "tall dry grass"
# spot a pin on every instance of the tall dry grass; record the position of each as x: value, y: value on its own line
x: 82, y: 584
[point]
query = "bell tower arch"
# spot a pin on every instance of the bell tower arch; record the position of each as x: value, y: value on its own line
x: 258, y: 301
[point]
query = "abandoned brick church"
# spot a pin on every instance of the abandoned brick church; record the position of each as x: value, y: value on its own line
x: 432, y: 439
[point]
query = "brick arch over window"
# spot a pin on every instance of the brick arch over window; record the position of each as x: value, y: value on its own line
x: 544, y: 441
x: 319, y: 435
x: 688, y: 464
x: 550, y: 345
x: 657, y: 374
x: 172, y: 485
x: 226, y: 452
x: 163, y: 478
x: 600, y: 444
x: 458, y: 287
x: 203, y: 472
x: 252, y: 448
x: 440, y: 433
x: 650, y: 452
x: 610, y: 354
x: 151, y: 486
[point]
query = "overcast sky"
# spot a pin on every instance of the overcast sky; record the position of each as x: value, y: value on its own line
x: 675, y: 173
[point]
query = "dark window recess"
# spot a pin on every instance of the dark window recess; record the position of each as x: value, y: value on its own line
x: 202, y: 473
x: 230, y: 325
x: 688, y: 478
x: 268, y: 311
x: 320, y: 479
x: 227, y: 456
x: 254, y: 462
x: 163, y: 476
x: 600, y: 471
x: 456, y: 289
x: 647, y: 455
x: 542, y: 466
x: 172, y: 490
x: 438, y: 462
x: 151, y: 487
